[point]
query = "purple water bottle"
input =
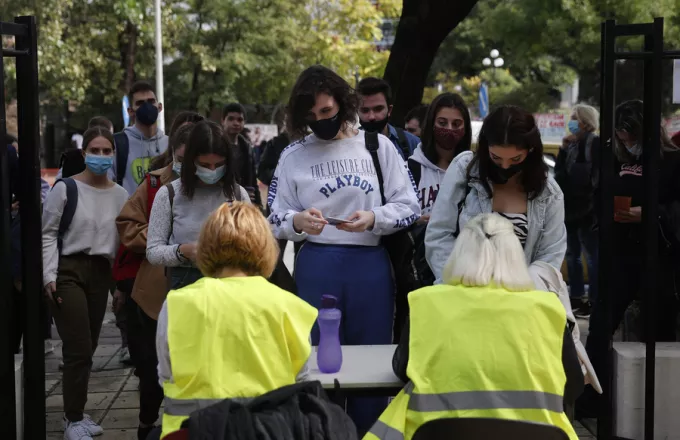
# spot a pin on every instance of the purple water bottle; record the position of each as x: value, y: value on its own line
x: 329, y: 354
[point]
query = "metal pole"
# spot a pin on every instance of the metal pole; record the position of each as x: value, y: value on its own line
x: 606, y: 220
x: 159, y: 63
x: 31, y: 232
x: 650, y: 212
x: 7, y: 318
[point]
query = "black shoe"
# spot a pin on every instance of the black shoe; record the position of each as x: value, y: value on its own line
x: 583, y: 312
x: 143, y: 433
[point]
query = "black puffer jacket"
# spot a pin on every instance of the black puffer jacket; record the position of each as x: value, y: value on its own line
x: 300, y: 411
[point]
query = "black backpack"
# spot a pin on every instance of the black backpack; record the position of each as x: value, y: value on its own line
x: 400, y: 247
x: 403, y: 143
x: 69, y: 209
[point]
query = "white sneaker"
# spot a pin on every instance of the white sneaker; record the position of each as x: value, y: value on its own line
x: 76, y: 431
x: 92, y: 428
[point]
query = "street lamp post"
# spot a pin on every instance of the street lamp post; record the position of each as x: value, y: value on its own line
x: 494, y: 60
x: 159, y: 60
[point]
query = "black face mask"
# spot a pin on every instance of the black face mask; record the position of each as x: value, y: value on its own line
x: 374, y: 126
x: 147, y: 114
x: 326, y: 129
x: 501, y: 175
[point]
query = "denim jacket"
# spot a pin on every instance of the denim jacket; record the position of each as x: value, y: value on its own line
x: 547, y: 235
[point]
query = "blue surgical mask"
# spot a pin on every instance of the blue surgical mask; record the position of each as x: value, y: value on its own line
x: 177, y: 168
x: 635, y: 149
x: 210, y: 177
x: 573, y: 127
x: 99, y: 165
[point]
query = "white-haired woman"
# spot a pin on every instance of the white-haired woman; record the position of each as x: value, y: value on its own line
x: 484, y: 343
x: 576, y: 175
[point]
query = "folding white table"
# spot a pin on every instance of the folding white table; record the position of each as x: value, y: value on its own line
x: 366, y: 370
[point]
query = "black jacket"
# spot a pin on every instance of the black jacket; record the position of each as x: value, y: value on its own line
x: 572, y: 366
x: 301, y: 411
x: 270, y: 157
x: 577, y: 174
x: 246, y: 176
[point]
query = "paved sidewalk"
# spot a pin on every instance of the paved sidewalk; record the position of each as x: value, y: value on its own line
x: 113, y: 400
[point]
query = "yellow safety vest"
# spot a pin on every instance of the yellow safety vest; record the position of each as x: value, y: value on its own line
x: 480, y: 352
x: 233, y: 338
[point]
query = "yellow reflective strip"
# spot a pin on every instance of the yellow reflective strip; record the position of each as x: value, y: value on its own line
x: 385, y: 432
x: 469, y: 400
x: 184, y: 407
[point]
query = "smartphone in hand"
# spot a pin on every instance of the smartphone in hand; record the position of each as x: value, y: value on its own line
x: 334, y: 221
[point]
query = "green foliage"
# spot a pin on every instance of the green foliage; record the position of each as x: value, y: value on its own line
x: 215, y: 50
x: 547, y: 43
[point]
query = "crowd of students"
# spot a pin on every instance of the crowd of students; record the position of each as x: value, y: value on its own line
x: 375, y: 213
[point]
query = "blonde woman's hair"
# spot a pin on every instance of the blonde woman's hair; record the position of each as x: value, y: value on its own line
x: 237, y: 237
x: 487, y: 250
x: 588, y: 116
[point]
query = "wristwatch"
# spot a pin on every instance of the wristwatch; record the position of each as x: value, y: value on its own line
x: 180, y: 256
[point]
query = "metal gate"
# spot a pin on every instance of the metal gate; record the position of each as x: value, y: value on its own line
x: 28, y: 193
x: 653, y: 54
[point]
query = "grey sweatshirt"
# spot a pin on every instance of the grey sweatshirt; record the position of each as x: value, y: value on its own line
x: 170, y: 227
x: 142, y: 152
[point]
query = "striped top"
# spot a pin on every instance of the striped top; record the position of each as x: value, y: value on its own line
x: 520, y: 224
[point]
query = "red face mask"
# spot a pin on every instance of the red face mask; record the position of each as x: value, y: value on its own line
x: 448, y: 138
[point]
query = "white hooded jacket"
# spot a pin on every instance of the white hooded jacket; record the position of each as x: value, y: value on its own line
x: 431, y: 177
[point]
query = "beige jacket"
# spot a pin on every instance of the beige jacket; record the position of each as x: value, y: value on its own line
x: 150, y: 286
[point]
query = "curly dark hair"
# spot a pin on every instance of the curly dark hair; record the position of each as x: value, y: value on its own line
x: 207, y: 137
x: 450, y: 100
x: 311, y: 82
x: 511, y: 125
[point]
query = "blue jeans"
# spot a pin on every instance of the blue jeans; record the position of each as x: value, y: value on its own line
x: 582, y: 239
x: 183, y: 276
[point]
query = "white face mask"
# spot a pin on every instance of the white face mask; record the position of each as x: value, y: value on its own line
x: 635, y: 149
x: 210, y: 177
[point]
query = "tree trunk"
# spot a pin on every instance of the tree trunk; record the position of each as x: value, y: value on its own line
x: 128, y: 50
x: 193, y: 99
x: 422, y: 27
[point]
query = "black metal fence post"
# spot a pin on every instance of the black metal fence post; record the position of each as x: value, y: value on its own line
x: 31, y: 231
x: 650, y: 209
x: 653, y: 55
x: 606, y: 218
x: 7, y: 393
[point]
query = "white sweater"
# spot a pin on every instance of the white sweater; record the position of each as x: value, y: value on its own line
x: 431, y: 177
x: 93, y: 228
x: 338, y: 178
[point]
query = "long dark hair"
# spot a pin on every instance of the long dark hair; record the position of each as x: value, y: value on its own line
x: 449, y: 100
x: 311, y: 82
x: 511, y: 125
x: 179, y: 138
x: 628, y: 117
x: 207, y: 137
x: 165, y: 158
